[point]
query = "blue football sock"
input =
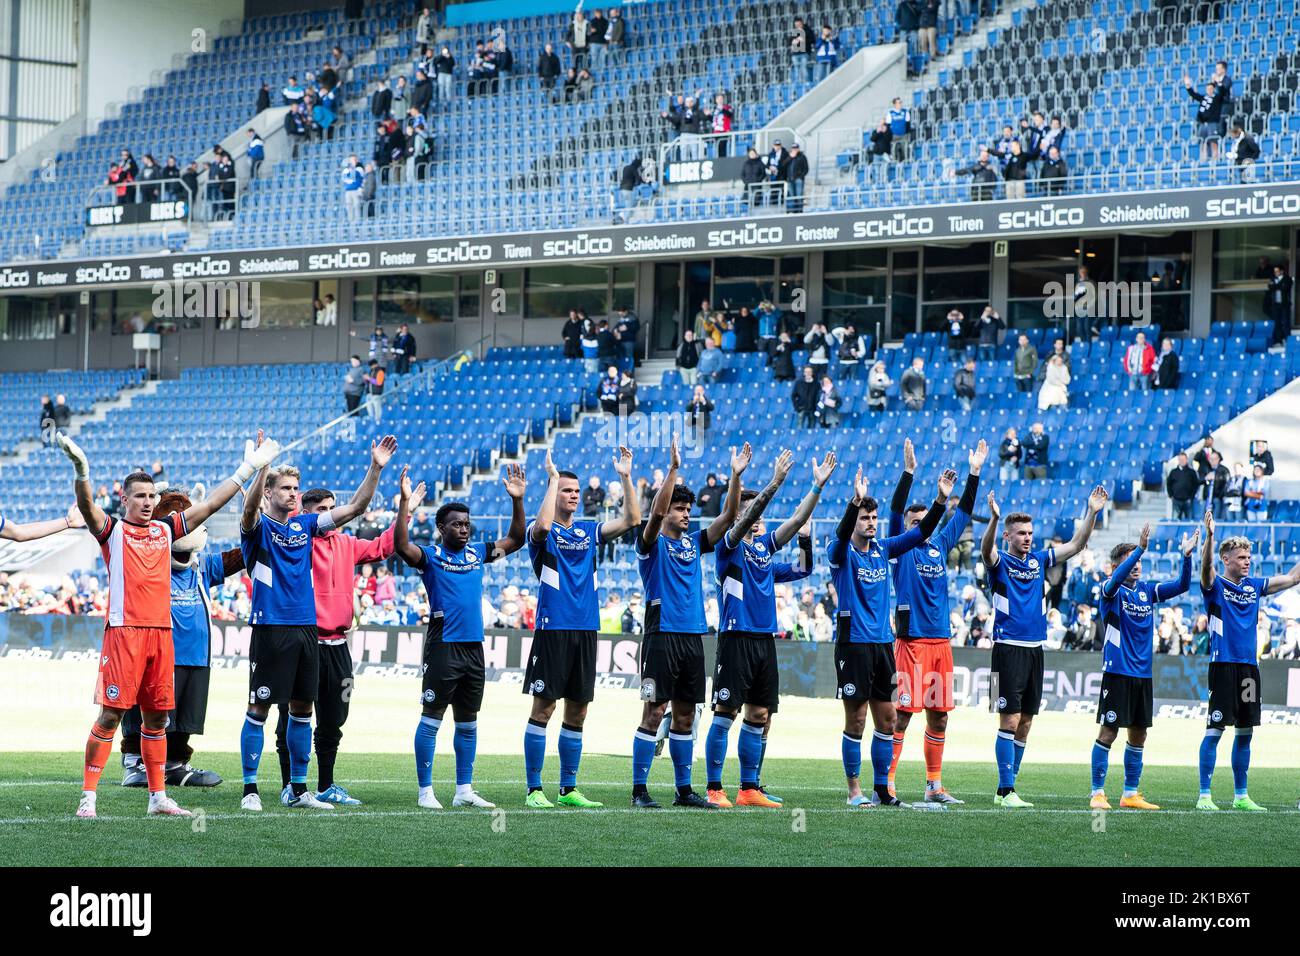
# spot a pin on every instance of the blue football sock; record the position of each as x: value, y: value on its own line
x: 882, y: 755
x: 1020, y: 756
x: 681, y: 747
x: 298, y: 739
x: 715, y: 747
x: 762, y: 753
x: 1241, y: 760
x: 570, y: 745
x: 534, y: 753
x: 426, y: 737
x: 1209, y: 750
x: 851, y: 754
x: 750, y: 751
x: 1132, y: 768
x: 1004, y: 752
x: 1100, y: 764
x: 251, y: 740
x: 465, y: 743
x: 643, y: 755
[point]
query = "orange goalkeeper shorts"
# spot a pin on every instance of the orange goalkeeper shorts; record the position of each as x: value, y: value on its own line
x: 924, y: 675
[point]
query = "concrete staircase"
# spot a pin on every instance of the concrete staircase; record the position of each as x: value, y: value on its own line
x: 24, y: 450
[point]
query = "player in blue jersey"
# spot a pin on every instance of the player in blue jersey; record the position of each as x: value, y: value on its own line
x: 1018, y: 582
x: 864, y: 642
x: 922, y: 629
x: 562, y: 659
x: 1232, y: 603
x: 1128, y: 626
x: 745, y: 672
x: 452, y: 571
x: 284, y: 653
x: 672, y: 651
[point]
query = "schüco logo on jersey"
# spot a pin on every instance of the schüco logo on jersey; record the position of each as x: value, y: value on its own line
x: 342, y: 258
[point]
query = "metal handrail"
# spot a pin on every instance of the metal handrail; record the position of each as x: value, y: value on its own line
x: 761, y: 139
x: 137, y: 184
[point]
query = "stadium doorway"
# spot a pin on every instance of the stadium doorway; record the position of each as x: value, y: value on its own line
x: 676, y: 285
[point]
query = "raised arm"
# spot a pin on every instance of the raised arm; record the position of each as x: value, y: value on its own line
x: 36, y: 530
x: 380, y: 455
x: 844, y: 530
x: 731, y: 507
x: 898, y: 503
x: 1096, y: 501
x: 253, y: 502
x: 257, y: 455
x: 516, y: 484
x: 1207, y: 553
x: 894, y: 546
x: 790, y: 527
x: 663, y: 498
x: 546, y: 513
x: 402, y: 545
x: 91, y: 513
x: 1171, y: 589
x: 631, y: 516
x: 1121, y: 571
x: 989, y: 543
x: 784, y: 461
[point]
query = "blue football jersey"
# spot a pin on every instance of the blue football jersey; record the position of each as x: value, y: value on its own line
x: 278, y: 558
x: 1233, y: 610
x: 453, y: 580
x: 192, y: 611
x: 747, y: 578
x: 862, y: 584
x: 1020, y: 597
x: 673, y: 577
x: 1128, y: 616
x: 921, y: 581
x: 565, y: 565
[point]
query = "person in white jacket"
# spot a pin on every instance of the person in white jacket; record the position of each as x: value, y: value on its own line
x: 1055, y: 390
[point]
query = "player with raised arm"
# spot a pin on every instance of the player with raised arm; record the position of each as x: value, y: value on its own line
x: 1232, y: 603
x: 284, y: 652
x: 562, y: 660
x: 1128, y: 623
x: 452, y: 571
x: 35, y: 530
x: 745, y: 672
x: 137, y: 659
x: 1017, y: 578
x: 864, y: 642
x: 672, y: 650
x: 923, y: 630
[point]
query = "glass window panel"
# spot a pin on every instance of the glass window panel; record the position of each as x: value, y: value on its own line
x: 553, y: 290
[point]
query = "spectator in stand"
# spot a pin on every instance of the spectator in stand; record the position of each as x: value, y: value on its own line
x: 704, y: 321
x: 504, y: 58
x: 829, y: 404
x: 256, y: 153
x: 609, y: 391
x: 292, y: 93
x: 419, y: 146
x: 61, y: 413
x: 882, y: 143
x: 802, y: 46
x: 593, y: 498
x: 378, y: 346
x: 878, y: 385
x: 1202, y: 458
x: 900, y: 125
x: 352, y: 178
x: 1015, y: 169
x: 687, y: 121
x: 828, y: 53
x: 769, y: 323
x: 369, y: 185
x: 1181, y: 485
x: 804, y: 397
x: 1243, y: 152
x: 699, y: 410
x: 381, y: 101
x: 422, y: 93
x: 150, y: 172
x: 444, y: 67
x: 1260, y: 455
x: 572, y: 336
x: 568, y: 92
x: 956, y: 324
x: 984, y: 178
x: 1025, y: 364
x: 1009, y: 454
x: 1139, y: 362
x: 1234, y: 492
x: 777, y: 162
x: 375, y: 377
x: 710, y: 497
x: 578, y: 38
x: 913, y: 385
x: 851, y: 351
x: 1034, y: 450
x: 401, y: 97
x: 296, y: 127
x: 607, y: 348
x: 688, y: 358
x: 963, y: 385
x: 1056, y: 382
x: 263, y: 98
x: 1216, y: 484
x: 548, y: 67
x: 118, y: 177
x: 47, y: 418
x: 752, y: 175
x: 720, y: 118
x: 746, y: 327
x: 404, y: 350
x: 711, y: 363
x: 1255, y: 495
x: 795, y: 173
x: 1278, y: 302
x: 1209, y: 115
x: 1166, y: 367
x: 1054, y: 135
x: 818, y: 342
x: 590, y: 347
x: 584, y: 83
x: 616, y: 37
x: 425, y: 27
x: 597, y: 27
x: 780, y: 355
x: 172, y: 188
x: 928, y: 27
x: 990, y: 324
x: 625, y: 330
x: 1053, y: 172
x: 1223, y: 81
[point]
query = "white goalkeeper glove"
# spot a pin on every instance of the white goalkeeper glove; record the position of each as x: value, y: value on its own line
x: 75, y: 454
x: 256, y: 457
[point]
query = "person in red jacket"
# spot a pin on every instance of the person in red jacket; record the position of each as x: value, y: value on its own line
x: 334, y: 557
x: 1139, y: 360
